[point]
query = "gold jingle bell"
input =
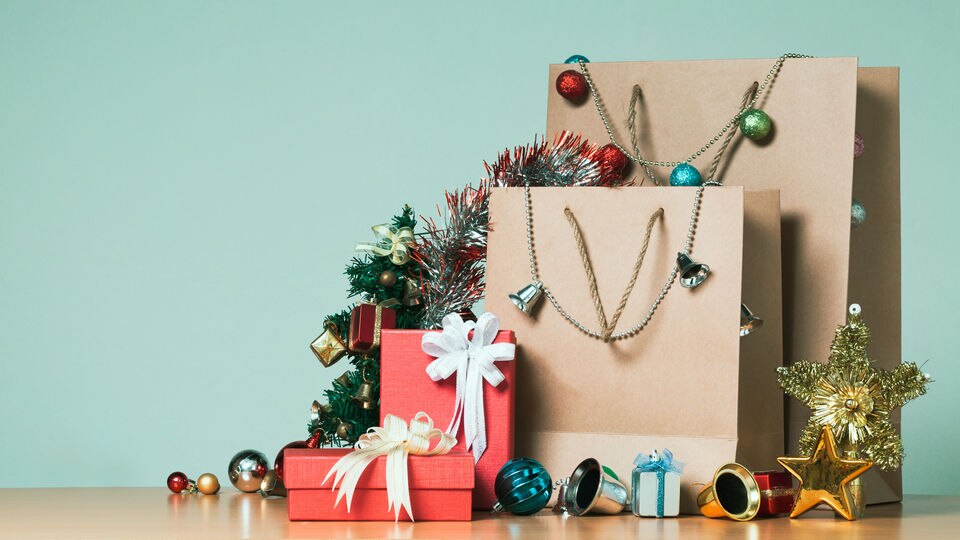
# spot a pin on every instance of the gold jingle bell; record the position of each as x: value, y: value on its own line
x: 364, y: 396
x: 344, y: 429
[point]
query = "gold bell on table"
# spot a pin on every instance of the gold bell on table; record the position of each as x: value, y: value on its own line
x: 734, y: 493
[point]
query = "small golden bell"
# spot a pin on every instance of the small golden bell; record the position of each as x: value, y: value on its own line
x: 344, y: 379
x: 365, y: 397
x: 411, y: 293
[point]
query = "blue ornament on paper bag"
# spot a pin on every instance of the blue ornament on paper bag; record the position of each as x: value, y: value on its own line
x: 576, y: 59
x: 685, y: 174
x: 659, y: 467
x: 523, y: 487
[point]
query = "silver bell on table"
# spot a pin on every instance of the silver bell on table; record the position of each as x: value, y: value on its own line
x: 590, y: 489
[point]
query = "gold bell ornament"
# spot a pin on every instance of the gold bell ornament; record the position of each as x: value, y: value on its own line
x: 364, y: 396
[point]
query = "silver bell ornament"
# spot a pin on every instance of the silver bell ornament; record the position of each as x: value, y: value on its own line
x: 526, y: 298
x: 593, y: 489
x: 247, y: 470
x: 692, y: 273
x: 748, y: 321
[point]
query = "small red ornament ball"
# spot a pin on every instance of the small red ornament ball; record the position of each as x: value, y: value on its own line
x: 177, y: 482
x: 610, y: 156
x: 571, y: 85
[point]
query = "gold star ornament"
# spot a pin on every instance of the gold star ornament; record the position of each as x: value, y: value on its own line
x: 824, y: 476
x: 853, y: 396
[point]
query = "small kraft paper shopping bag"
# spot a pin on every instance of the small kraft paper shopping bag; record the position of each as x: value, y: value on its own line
x: 823, y: 112
x: 687, y: 380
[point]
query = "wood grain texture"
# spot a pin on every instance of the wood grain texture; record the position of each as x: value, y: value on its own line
x: 108, y: 513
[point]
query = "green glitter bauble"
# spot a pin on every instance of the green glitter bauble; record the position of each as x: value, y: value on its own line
x: 755, y: 124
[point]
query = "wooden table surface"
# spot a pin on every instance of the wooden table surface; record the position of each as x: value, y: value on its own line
x: 130, y: 513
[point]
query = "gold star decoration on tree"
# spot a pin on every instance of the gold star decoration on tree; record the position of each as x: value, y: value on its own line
x: 823, y: 476
x: 853, y: 397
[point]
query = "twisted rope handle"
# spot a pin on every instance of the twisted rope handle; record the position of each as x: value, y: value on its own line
x: 607, y: 328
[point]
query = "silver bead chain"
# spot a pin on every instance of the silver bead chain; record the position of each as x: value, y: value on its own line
x: 633, y: 330
x: 733, y: 121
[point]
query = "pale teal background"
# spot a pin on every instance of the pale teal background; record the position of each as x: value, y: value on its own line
x: 181, y: 184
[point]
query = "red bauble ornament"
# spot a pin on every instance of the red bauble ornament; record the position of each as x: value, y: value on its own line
x: 610, y: 156
x: 572, y: 85
x: 177, y: 482
x: 278, y: 461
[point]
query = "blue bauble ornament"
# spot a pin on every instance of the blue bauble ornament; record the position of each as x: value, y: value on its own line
x: 523, y: 487
x: 576, y: 59
x: 858, y: 213
x: 685, y: 174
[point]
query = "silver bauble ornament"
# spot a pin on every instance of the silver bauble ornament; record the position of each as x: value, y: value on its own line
x: 247, y: 469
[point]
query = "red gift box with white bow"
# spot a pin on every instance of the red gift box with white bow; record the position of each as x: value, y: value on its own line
x: 473, y: 355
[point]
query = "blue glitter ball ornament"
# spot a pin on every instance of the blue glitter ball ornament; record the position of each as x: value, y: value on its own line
x: 576, y: 59
x: 755, y: 124
x: 858, y: 213
x: 685, y: 174
x: 523, y: 487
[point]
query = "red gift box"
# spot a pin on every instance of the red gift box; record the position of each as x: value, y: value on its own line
x: 776, y: 492
x: 441, y: 487
x: 366, y: 322
x: 406, y: 389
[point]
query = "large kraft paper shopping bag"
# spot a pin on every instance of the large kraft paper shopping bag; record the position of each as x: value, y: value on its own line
x: 815, y: 104
x: 688, y: 381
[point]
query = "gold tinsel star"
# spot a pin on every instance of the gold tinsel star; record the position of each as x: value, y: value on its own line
x: 854, y: 397
x: 823, y: 476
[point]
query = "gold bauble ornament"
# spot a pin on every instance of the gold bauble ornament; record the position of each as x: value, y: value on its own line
x: 208, y: 484
x: 824, y: 476
x: 343, y: 430
x: 388, y: 278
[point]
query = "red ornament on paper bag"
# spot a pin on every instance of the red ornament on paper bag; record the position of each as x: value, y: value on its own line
x: 610, y: 156
x: 572, y: 85
x: 366, y: 322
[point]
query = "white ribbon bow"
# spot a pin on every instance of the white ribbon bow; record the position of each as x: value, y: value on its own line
x: 472, y: 359
x: 396, y: 441
x: 391, y: 242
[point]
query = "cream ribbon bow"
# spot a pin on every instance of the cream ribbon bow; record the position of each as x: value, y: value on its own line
x: 391, y: 242
x: 472, y: 359
x: 396, y: 441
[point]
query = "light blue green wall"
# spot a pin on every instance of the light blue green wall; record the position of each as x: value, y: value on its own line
x: 182, y: 182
